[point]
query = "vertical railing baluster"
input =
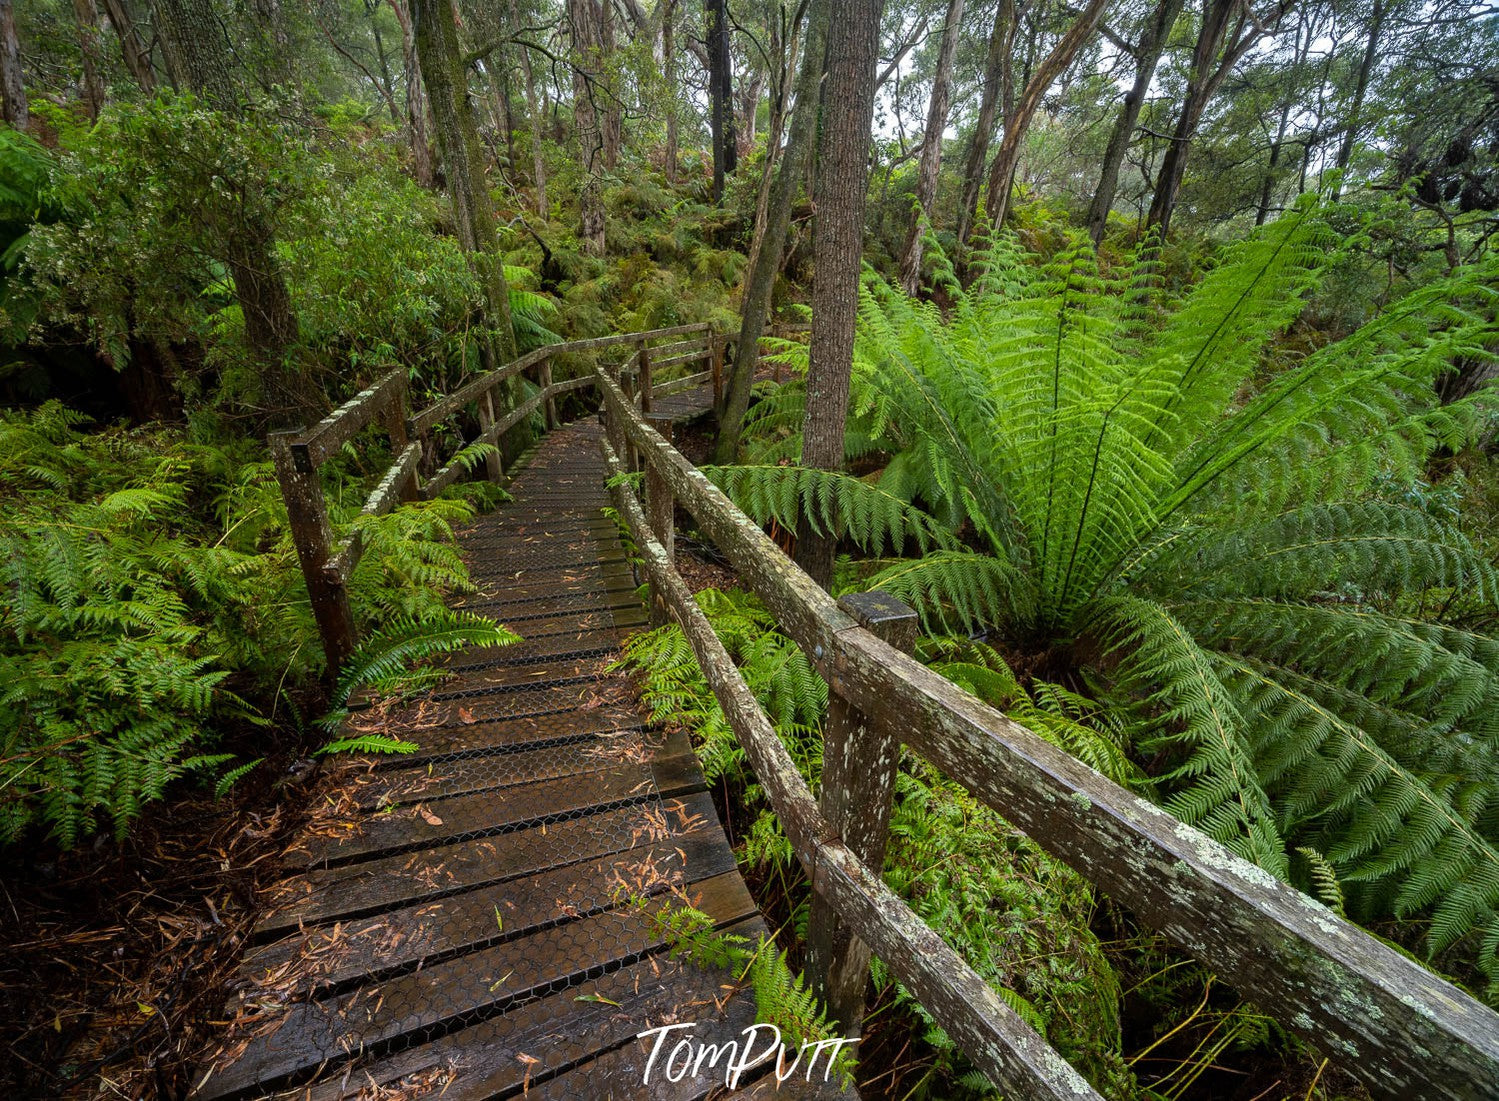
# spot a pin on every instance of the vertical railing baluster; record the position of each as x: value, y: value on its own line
x: 494, y: 468
x: 859, y: 764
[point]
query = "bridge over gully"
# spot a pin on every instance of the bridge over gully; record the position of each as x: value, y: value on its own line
x: 482, y: 919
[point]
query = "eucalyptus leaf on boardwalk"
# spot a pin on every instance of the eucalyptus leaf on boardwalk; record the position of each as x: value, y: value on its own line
x: 482, y: 917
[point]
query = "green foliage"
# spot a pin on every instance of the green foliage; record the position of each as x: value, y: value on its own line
x: 985, y: 888
x: 1231, y: 560
x: 146, y: 576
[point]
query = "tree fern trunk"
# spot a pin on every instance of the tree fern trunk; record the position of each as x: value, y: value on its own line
x: 838, y: 245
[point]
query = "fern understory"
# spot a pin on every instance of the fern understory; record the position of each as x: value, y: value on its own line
x: 155, y: 601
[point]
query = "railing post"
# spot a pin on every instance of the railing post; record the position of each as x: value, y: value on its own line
x: 307, y: 515
x: 660, y: 510
x: 645, y: 382
x: 494, y: 468
x: 718, y: 347
x: 544, y: 380
x: 859, y: 763
x: 396, y: 420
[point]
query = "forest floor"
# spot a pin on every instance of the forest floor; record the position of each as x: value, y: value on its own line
x: 115, y: 957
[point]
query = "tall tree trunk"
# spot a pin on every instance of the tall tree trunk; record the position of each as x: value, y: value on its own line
x: 931, y: 149
x: 137, y: 57
x: 720, y: 94
x: 998, y: 89
x: 760, y: 277
x: 612, y: 132
x: 838, y: 250
x: 1355, y: 112
x: 1018, y: 124
x: 533, y: 120
x: 581, y: 24
x: 785, y: 54
x: 1288, y: 104
x: 1213, y: 58
x: 669, y: 69
x: 93, y: 60
x: 416, y: 100
x: 12, y: 87
x: 1147, y: 56
x: 194, y: 38
x: 445, y: 77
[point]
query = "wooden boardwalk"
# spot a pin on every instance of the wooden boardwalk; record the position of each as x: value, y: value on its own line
x: 480, y: 920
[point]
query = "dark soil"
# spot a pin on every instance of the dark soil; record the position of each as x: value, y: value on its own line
x: 115, y: 957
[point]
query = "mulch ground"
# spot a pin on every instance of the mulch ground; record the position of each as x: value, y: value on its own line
x: 115, y: 958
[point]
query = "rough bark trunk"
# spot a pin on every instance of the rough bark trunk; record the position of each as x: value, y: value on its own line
x: 444, y: 75
x: 1147, y: 56
x: 416, y: 100
x: 612, y: 132
x: 1361, y: 87
x: 93, y: 60
x: 12, y: 87
x: 996, y: 88
x: 1018, y: 123
x: 760, y: 278
x: 931, y: 150
x: 580, y: 18
x: 838, y: 245
x: 194, y: 38
x: 720, y: 94
x: 137, y: 57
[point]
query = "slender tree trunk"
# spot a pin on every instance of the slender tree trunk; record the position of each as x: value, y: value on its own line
x: 534, y: 120
x: 387, y: 84
x: 838, y: 245
x: 1147, y: 56
x: 93, y: 60
x: 669, y: 70
x: 1212, y: 61
x: 1355, y: 112
x: 785, y: 55
x: 194, y: 38
x: 12, y: 87
x: 1288, y: 104
x: 580, y: 16
x: 137, y: 57
x: 416, y: 100
x: 445, y: 77
x: 760, y: 277
x: 931, y: 150
x: 997, y: 88
x: 720, y: 95
x: 1018, y: 124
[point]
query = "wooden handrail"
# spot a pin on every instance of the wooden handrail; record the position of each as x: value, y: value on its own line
x: 299, y: 454
x: 1402, y: 1030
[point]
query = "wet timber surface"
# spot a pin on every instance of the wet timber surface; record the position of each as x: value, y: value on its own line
x: 481, y: 919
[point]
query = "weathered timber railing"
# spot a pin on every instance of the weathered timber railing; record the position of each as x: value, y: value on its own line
x: 1402, y: 1030
x: 298, y: 454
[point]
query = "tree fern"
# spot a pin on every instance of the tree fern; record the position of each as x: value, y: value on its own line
x: 1229, y: 559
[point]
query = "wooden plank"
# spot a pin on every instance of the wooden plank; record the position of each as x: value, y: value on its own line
x: 395, y: 940
x: 493, y: 1058
x: 323, y: 895
x: 426, y: 824
x: 510, y: 676
x: 315, y: 1034
x: 543, y: 727
x: 422, y: 783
